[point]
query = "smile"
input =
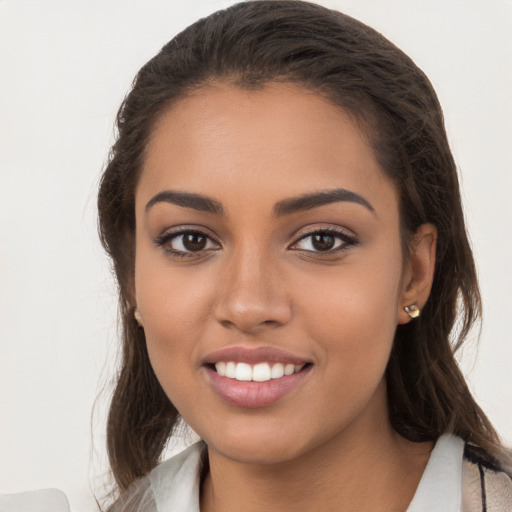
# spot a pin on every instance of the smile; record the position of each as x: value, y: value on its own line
x: 260, y: 372
x: 255, y: 377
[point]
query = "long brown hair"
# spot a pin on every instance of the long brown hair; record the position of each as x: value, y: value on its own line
x: 253, y: 43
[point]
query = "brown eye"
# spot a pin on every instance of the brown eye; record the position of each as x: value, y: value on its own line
x: 323, y: 242
x: 194, y: 241
x: 186, y: 243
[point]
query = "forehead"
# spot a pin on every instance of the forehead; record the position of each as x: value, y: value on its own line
x: 279, y: 141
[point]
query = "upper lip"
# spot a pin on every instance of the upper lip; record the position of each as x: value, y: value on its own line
x: 253, y: 356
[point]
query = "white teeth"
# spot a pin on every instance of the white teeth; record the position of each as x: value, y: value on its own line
x: 289, y: 369
x: 258, y: 373
x: 221, y: 368
x: 243, y: 372
x: 277, y: 371
x: 261, y: 372
x: 230, y: 370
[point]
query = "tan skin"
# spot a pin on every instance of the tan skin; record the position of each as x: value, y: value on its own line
x: 326, y: 283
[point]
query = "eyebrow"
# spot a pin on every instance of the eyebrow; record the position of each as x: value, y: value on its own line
x: 187, y: 200
x: 316, y: 199
x: 284, y: 207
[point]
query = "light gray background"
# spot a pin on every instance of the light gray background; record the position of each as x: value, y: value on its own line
x: 64, y: 68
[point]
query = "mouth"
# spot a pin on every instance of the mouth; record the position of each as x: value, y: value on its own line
x: 254, y: 378
x: 260, y: 372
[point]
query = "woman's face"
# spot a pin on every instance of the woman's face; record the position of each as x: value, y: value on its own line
x: 268, y: 270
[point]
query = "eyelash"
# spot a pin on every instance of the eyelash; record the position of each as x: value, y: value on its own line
x: 165, y: 240
x: 347, y: 241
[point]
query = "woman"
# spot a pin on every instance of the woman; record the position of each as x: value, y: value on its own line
x: 283, y: 214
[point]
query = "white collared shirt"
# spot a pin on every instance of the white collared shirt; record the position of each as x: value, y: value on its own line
x: 449, y: 484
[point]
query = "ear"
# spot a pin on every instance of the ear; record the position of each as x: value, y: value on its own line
x: 418, y: 271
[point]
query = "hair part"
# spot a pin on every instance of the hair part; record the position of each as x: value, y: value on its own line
x: 252, y: 44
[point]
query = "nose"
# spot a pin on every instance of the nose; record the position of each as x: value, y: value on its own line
x: 252, y: 295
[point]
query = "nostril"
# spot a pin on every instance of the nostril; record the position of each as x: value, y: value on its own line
x: 248, y: 326
x: 227, y: 323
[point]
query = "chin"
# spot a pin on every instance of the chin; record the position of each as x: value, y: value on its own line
x: 269, y: 444
x: 256, y: 453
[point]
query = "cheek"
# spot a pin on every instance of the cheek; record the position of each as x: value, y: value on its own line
x: 359, y: 295
x: 171, y: 299
x: 172, y: 344
x: 175, y: 307
x: 353, y: 316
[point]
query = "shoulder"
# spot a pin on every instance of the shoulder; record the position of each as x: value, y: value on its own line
x: 486, y: 487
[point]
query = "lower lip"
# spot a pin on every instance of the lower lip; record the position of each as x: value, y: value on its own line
x: 255, y: 394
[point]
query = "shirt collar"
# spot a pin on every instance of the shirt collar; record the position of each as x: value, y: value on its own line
x: 440, y: 487
x: 175, y: 483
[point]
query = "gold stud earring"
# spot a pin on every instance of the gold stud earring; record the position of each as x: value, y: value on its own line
x: 412, y: 310
x: 137, y: 316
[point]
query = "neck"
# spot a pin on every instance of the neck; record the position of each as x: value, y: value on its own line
x: 367, y: 467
